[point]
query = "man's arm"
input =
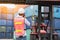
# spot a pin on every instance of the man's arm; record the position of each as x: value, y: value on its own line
x: 27, y: 22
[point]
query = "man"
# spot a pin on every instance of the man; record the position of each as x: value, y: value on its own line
x: 21, y: 16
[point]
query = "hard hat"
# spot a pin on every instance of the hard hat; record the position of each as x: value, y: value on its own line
x: 21, y: 11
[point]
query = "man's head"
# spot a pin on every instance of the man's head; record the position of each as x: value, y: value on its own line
x: 21, y: 12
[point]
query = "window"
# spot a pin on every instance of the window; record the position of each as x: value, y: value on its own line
x: 2, y: 28
x: 44, y: 9
x: 3, y: 16
x: 44, y: 15
x: 2, y: 22
x: 8, y: 29
x: 9, y: 23
x: 56, y: 12
x: 10, y: 16
x: 9, y: 35
x: 57, y: 23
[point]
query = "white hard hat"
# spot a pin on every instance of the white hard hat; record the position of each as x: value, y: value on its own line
x: 21, y: 10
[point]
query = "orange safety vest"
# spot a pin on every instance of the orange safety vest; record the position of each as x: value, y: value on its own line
x: 19, y: 26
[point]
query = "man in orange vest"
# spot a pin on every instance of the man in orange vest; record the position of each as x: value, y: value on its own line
x: 19, y: 26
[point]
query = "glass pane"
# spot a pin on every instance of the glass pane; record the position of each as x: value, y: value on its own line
x: 12, y: 29
x: 56, y: 12
x: 2, y: 22
x: 10, y: 16
x: 31, y: 10
x: 9, y: 35
x: 1, y: 35
x: 44, y: 15
x: 8, y: 29
x: 4, y: 16
x: 57, y: 23
x: 2, y: 29
x: 44, y: 9
x: 9, y: 23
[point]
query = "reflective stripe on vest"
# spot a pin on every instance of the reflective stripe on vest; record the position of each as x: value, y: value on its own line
x: 18, y: 30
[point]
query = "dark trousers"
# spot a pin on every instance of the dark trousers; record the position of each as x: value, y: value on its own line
x: 21, y: 38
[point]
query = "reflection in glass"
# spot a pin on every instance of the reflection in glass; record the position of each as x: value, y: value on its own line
x: 44, y: 9
x: 8, y: 29
x: 10, y: 16
x: 45, y: 15
x: 1, y: 35
x: 9, y: 35
x: 2, y: 29
x: 4, y: 16
x: 57, y: 23
x: 9, y: 23
x: 2, y: 22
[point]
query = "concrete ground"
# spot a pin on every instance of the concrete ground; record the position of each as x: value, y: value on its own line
x: 6, y: 39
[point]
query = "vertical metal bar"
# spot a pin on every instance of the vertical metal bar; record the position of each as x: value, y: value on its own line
x: 39, y: 19
x: 51, y: 22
